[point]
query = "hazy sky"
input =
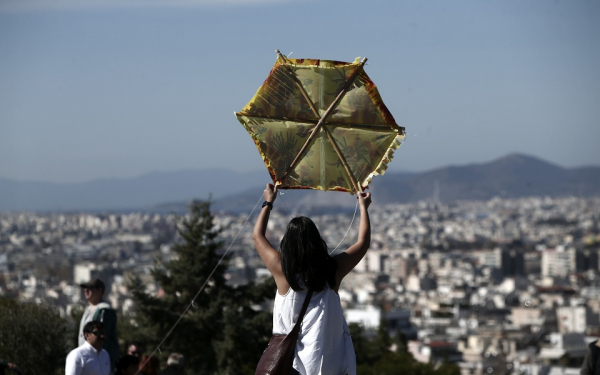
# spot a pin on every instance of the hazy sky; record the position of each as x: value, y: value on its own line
x: 98, y: 88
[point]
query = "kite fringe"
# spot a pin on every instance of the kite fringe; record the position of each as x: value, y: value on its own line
x: 249, y: 113
x: 387, y: 158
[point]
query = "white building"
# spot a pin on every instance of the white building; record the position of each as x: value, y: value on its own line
x: 558, y: 262
x: 369, y: 317
x: 571, y: 319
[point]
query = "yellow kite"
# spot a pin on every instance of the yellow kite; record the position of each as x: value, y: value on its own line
x: 321, y: 124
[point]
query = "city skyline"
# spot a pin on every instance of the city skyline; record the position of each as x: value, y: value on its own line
x: 107, y: 89
x: 514, y: 277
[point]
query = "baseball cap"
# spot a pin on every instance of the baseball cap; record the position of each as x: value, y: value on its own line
x: 93, y: 283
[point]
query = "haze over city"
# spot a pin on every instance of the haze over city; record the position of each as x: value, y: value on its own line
x: 117, y: 123
x: 106, y: 89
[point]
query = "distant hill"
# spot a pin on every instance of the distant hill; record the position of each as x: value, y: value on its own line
x: 512, y: 176
x: 143, y: 192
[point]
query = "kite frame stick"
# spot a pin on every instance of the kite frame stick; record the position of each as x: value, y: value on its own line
x: 321, y: 121
x: 328, y: 123
x: 343, y: 160
x: 299, y: 85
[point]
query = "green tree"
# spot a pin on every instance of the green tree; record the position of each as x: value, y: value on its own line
x: 447, y: 368
x: 32, y: 336
x: 374, y: 357
x: 401, y: 342
x: 366, y: 353
x: 75, y: 315
x: 383, y: 340
x: 224, y: 331
x: 126, y: 331
x: 393, y: 363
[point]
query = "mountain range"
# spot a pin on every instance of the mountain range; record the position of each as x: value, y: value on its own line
x: 512, y: 176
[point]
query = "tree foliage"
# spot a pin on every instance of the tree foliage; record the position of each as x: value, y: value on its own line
x: 374, y: 357
x: 223, y: 332
x: 76, y: 314
x: 32, y: 336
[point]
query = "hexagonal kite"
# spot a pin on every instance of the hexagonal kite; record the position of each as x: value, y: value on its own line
x: 321, y: 124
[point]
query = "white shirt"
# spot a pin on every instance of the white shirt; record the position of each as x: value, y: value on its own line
x: 85, y: 360
x: 324, y: 344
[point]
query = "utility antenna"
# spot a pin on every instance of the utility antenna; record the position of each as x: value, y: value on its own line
x: 436, y: 192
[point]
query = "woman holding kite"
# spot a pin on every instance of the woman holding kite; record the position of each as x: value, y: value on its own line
x: 324, y: 345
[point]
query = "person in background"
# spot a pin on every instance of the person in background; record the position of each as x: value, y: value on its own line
x: 89, y: 358
x: 127, y: 365
x: 591, y: 362
x: 174, y: 365
x: 8, y: 365
x: 303, y: 263
x: 98, y: 310
x: 136, y: 349
x: 149, y: 365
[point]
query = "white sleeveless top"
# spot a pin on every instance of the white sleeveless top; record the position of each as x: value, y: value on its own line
x: 324, y: 344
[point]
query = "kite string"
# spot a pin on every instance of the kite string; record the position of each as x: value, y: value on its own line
x: 201, y: 288
x: 285, y: 82
x: 279, y: 95
x: 348, y: 230
x: 193, y: 301
x: 286, y: 207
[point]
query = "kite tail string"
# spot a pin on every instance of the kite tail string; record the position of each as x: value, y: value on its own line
x: 285, y: 205
x: 193, y: 302
x: 348, y: 230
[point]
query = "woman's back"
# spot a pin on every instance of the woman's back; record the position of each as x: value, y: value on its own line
x: 324, y: 344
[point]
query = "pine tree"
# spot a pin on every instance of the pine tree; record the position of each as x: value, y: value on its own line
x: 373, y: 356
x: 223, y: 332
x: 33, y: 336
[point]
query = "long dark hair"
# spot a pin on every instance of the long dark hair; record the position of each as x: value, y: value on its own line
x: 304, y: 257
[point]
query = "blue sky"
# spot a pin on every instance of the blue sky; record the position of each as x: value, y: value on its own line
x: 99, y: 88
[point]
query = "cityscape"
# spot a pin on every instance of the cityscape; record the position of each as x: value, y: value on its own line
x: 123, y: 120
x: 495, y: 286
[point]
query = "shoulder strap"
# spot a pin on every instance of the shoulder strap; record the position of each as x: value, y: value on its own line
x: 303, y: 311
x: 97, y: 315
x: 305, y: 306
x: 101, y: 308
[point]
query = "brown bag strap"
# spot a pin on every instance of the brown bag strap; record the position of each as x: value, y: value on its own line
x: 303, y: 311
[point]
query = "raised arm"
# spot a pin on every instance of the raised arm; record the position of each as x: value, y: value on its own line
x: 268, y: 254
x: 347, y: 260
